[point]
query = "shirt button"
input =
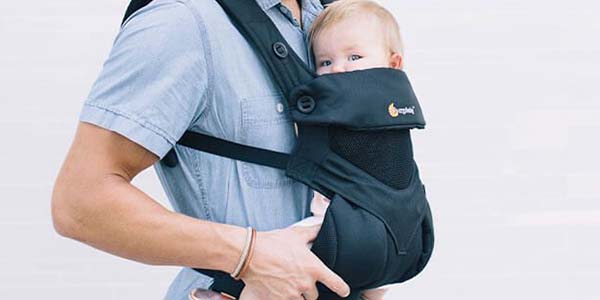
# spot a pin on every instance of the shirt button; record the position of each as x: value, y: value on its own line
x: 283, y: 9
x: 279, y: 107
x: 280, y: 50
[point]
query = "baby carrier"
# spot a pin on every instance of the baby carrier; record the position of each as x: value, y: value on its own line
x: 353, y: 146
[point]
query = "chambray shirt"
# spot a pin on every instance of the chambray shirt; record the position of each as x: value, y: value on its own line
x: 180, y: 65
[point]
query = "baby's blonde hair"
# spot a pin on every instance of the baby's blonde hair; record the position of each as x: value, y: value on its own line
x: 344, y: 9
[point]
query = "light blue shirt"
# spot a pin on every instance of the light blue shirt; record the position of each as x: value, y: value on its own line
x: 180, y: 65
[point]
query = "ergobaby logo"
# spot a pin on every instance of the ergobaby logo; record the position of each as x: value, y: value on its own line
x: 396, y: 111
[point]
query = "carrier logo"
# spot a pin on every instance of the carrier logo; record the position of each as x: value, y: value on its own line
x: 396, y: 111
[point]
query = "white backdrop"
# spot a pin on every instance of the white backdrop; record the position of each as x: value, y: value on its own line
x: 510, y: 156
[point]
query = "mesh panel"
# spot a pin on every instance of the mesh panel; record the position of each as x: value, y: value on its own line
x: 384, y: 154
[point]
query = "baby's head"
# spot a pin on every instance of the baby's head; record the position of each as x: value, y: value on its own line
x: 353, y: 35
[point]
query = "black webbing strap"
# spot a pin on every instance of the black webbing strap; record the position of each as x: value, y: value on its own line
x: 286, y: 68
x: 223, y: 282
x: 233, y: 150
x: 134, y: 6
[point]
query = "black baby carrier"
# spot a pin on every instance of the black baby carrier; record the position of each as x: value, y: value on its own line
x: 353, y: 146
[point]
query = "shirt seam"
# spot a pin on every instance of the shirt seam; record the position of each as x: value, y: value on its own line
x: 140, y: 121
x: 208, y: 58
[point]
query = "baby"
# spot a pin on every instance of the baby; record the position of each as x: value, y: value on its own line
x: 348, y: 35
x: 352, y: 35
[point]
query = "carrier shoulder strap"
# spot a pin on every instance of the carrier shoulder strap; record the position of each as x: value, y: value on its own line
x: 286, y: 68
x: 134, y: 6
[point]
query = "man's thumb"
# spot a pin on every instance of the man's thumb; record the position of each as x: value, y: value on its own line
x: 308, y: 233
x: 247, y: 294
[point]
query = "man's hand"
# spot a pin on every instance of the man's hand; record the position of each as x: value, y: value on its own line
x: 284, y: 268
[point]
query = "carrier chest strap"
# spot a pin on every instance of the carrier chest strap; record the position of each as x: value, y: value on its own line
x: 234, y: 150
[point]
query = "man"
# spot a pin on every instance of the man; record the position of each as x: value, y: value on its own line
x: 179, y: 65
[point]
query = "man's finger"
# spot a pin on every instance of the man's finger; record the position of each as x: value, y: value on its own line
x: 247, y: 295
x: 331, y: 280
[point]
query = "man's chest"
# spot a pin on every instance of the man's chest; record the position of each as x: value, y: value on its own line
x: 245, y: 105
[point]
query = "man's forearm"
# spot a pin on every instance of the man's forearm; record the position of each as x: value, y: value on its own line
x: 116, y: 217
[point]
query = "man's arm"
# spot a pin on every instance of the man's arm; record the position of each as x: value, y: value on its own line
x: 94, y: 202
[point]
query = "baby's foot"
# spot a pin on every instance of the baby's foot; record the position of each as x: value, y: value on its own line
x: 373, y: 294
x: 202, y: 294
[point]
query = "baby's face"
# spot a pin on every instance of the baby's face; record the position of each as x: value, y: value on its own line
x: 353, y: 44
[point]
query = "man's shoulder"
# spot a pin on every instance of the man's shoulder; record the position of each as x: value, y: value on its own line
x: 166, y: 27
x: 175, y: 10
x: 161, y: 12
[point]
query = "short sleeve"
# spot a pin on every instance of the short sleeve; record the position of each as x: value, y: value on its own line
x: 153, y: 84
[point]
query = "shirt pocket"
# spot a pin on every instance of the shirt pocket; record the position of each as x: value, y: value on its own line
x: 266, y: 124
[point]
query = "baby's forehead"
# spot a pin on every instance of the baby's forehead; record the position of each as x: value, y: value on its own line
x: 355, y: 19
x: 350, y: 33
x: 352, y: 27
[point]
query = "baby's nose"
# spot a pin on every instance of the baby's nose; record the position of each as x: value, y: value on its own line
x: 338, y: 68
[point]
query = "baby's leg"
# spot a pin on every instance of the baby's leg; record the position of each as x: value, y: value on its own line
x: 318, y: 206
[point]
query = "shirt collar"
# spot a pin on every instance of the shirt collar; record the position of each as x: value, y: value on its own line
x: 267, y: 4
x: 313, y: 7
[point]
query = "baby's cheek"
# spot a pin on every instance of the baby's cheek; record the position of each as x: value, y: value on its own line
x: 374, y: 63
x: 362, y: 65
x: 322, y: 71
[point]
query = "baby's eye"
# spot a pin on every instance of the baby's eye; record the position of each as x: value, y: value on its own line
x: 355, y: 57
x: 325, y: 63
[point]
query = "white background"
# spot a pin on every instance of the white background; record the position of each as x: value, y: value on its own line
x: 510, y: 156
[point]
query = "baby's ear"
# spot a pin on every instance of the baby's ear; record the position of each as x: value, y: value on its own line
x: 396, y: 61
